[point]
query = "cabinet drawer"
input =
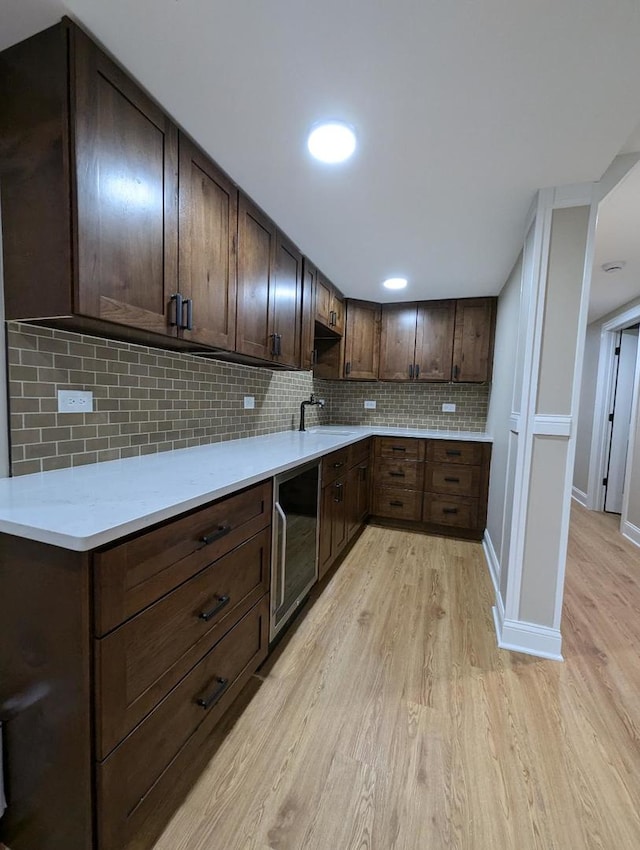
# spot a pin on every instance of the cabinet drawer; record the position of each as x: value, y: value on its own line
x: 138, y: 663
x: 456, y: 511
x: 129, y: 778
x: 359, y: 452
x: 409, y: 448
x: 398, y: 504
x: 454, y: 451
x: 399, y: 473
x: 334, y: 465
x: 132, y: 575
x: 453, y: 479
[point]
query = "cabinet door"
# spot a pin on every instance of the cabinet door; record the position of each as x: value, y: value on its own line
x: 208, y: 225
x: 286, y: 303
x: 473, y: 339
x: 325, y: 554
x: 362, y: 341
x: 397, y: 342
x: 324, y: 293
x: 256, y: 257
x: 357, y: 497
x: 337, y: 313
x: 339, y: 525
x: 307, y: 356
x: 126, y: 152
x: 434, y: 340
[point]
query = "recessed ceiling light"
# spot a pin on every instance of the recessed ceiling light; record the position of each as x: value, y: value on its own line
x: 613, y: 266
x: 332, y: 141
x: 395, y: 283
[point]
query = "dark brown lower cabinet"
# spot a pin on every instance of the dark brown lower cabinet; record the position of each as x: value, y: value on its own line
x: 333, y: 523
x: 117, y: 665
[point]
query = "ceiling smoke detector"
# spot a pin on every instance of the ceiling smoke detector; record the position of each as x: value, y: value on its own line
x: 613, y: 266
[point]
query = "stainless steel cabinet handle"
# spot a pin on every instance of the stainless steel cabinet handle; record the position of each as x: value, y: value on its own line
x: 283, y: 550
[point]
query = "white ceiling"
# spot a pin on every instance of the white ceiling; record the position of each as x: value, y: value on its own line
x: 617, y: 238
x: 463, y: 109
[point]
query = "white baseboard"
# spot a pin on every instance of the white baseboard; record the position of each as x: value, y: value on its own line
x: 579, y: 496
x: 529, y: 638
x: 631, y: 532
x: 492, y: 561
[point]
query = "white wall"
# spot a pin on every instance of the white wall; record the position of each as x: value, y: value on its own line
x: 584, y: 430
x: 500, y: 404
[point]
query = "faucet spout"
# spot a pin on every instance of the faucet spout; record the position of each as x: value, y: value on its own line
x: 312, y: 400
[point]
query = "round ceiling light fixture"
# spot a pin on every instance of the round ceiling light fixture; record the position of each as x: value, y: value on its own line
x: 395, y: 283
x: 331, y: 141
x: 613, y: 266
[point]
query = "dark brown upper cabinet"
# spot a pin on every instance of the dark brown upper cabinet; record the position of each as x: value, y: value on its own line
x: 434, y: 340
x: 89, y: 190
x: 398, y: 341
x: 208, y: 226
x: 286, y: 304
x: 474, y: 339
x: 268, y: 319
x: 329, y: 310
x: 362, y: 341
x: 256, y: 267
x: 307, y: 350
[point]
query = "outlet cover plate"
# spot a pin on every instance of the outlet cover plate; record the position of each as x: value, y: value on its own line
x: 370, y: 405
x: 448, y: 408
x: 75, y: 401
x: 249, y: 402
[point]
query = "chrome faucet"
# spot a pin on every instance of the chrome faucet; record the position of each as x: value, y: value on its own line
x: 305, y: 404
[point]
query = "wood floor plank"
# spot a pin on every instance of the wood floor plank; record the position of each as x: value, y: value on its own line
x: 387, y: 718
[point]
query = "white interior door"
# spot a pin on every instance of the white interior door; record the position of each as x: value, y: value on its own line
x: 622, y: 402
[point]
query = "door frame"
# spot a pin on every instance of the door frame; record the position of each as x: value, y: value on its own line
x: 604, y: 392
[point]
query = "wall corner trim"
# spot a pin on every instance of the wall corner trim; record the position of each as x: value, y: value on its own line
x: 578, y: 496
x: 492, y: 562
x: 631, y: 532
x: 529, y: 638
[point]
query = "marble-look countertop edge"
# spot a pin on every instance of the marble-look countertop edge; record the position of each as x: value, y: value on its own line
x: 83, y: 508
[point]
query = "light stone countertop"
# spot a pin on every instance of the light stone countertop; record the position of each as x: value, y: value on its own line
x: 88, y: 506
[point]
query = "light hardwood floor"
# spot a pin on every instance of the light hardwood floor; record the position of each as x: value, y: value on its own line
x: 389, y: 720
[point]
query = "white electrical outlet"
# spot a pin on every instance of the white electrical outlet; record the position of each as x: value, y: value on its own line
x: 75, y: 401
x: 448, y: 408
x: 249, y: 402
x: 370, y: 405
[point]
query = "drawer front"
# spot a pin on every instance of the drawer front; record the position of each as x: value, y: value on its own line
x: 454, y: 451
x: 456, y: 511
x: 334, y: 465
x: 398, y: 473
x: 359, y: 452
x: 452, y: 479
x: 127, y: 779
x: 409, y: 448
x: 134, y: 574
x: 392, y: 502
x: 139, y: 663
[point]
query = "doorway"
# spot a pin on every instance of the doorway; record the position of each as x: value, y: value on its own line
x: 619, y: 418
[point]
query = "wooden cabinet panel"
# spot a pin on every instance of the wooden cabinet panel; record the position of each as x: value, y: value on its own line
x: 399, y: 473
x: 307, y: 353
x: 395, y: 503
x: 256, y: 260
x: 457, y: 511
x: 362, y: 341
x: 126, y: 158
x: 452, y: 479
x: 129, y: 576
x: 130, y: 780
x: 358, y: 489
x: 474, y: 338
x: 323, y: 295
x: 138, y: 663
x: 208, y: 225
x: 399, y: 448
x: 397, y: 342
x: 338, y: 313
x: 454, y: 451
x: 434, y: 340
x: 286, y: 303
x: 359, y: 451
x: 334, y: 465
x: 334, y: 527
